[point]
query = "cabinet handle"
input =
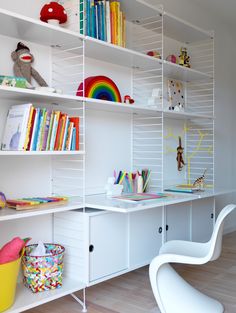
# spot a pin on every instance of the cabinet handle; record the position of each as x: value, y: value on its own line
x: 167, y: 227
x: 212, y: 215
x: 160, y: 230
x: 91, y: 248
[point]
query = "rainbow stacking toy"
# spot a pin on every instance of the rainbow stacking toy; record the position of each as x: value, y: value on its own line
x: 100, y: 87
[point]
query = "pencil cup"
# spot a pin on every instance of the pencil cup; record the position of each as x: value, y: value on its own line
x: 114, y: 190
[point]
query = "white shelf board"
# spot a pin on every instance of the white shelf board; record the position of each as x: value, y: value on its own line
x: 25, y: 28
x: 7, y: 214
x: 103, y: 105
x: 137, y: 9
x: 25, y: 299
x: 28, y: 95
x: 102, y: 202
x: 175, y: 71
x: 40, y: 153
x: 110, y: 53
x: 183, y: 31
x: 185, y: 115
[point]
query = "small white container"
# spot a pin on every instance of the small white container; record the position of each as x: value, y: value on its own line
x: 113, y: 189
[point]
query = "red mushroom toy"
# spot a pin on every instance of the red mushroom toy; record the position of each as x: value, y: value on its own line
x: 53, y: 13
x: 128, y: 99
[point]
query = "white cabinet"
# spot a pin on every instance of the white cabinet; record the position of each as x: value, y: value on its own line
x: 202, y: 219
x: 107, y: 245
x: 144, y: 237
x: 178, y: 221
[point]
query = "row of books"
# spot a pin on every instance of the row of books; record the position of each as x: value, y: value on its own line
x: 106, y: 21
x: 39, y: 129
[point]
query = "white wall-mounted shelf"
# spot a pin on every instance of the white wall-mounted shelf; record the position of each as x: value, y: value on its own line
x: 186, y: 115
x: 18, y: 26
x: 28, y: 95
x: 103, y: 51
x: 40, y: 153
x: 7, y: 214
x: 183, y: 31
x: 175, y: 71
x: 26, y: 300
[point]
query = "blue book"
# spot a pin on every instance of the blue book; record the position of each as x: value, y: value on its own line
x: 88, y: 17
x: 73, y: 140
x: 92, y: 19
x: 37, y: 129
x: 104, y: 35
x: 99, y: 20
x: 96, y: 20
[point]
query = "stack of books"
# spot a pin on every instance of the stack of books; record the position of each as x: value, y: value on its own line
x: 39, y: 129
x: 106, y: 21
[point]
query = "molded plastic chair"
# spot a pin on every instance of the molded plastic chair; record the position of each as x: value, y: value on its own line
x: 173, y: 294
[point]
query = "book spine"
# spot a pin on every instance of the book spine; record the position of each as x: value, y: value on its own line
x: 42, y: 117
x: 31, y: 130
x: 118, y: 13
x: 24, y: 128
x: 92, y: 19
x: 99, y: 21
x: 62, y: 132
x: 36, y: 120
x: 124, y: 30
x: 96, y: 20
x: 50, y: 131
x: 65, y: 134
x: 54, y: 130
x: 37, y: 130
x: 88, y: 17
x: 29, y: 127
x: 81, y: 14
x: 69, y: 136
x: 46, y: 130
x: 108, y: 21
x: 43, y: 129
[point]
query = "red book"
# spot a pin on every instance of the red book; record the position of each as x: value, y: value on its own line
x: 59, y: 128
x: 75, y: 120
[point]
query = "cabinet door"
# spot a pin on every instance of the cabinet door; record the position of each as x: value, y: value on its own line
x: 108, y: 244
x: 145, y: 239
x: 202, y: 219
x: 178, y: 221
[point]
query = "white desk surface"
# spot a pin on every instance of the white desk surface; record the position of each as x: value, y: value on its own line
x: 102, y: 202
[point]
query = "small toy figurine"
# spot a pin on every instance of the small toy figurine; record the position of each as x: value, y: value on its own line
x: 154, y: 54
x: 184, y: 59
x: 53, y: 13
x: 128, y: 100
x: 172, y: 58
x: 23, y: 59
x: 180, y: 151
x: 200, y: 181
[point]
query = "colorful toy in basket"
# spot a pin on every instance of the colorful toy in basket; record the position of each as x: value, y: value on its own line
x: 100, y: 87
x: 43, y: 272
x: 2, y: 200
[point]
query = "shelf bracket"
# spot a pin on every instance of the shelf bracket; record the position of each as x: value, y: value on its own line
x: 82, y: 303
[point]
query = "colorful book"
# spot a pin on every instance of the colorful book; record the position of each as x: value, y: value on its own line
x: 108, y: 21
x: 16, y: 127
x: 69, y: 136
x: 54, y: 129
x: 31, y: 129
x: 50, y: 131
x: 76, y: 123
x: 35, y: 130
x: 46, y: 130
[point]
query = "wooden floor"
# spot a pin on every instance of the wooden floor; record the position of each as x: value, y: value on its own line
x: 131, y: 293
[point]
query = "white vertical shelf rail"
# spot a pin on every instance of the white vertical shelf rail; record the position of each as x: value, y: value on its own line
x: 200, y: 132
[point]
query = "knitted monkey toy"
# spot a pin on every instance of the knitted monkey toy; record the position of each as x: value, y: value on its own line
x: 179, y: 158
x: 22, y: 65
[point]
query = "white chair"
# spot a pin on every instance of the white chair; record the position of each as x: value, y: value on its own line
x: 173, y: 294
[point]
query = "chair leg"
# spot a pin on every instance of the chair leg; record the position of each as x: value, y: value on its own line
x: 177, y: 296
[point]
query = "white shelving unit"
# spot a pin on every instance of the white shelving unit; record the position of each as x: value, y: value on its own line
x: 113, y: 136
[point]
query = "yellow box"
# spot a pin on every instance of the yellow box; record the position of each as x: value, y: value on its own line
x: 8, y: 280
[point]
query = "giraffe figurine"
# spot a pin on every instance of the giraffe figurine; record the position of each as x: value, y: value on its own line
x: 179, y: 158
x: 200, y: 181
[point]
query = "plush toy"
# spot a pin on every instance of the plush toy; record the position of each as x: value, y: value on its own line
x: 22, y: 65
x: 53, y: 13
x: 184, y: 59
x: 2, y: 200
x: 11, y: 250
x: 180, y: 160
